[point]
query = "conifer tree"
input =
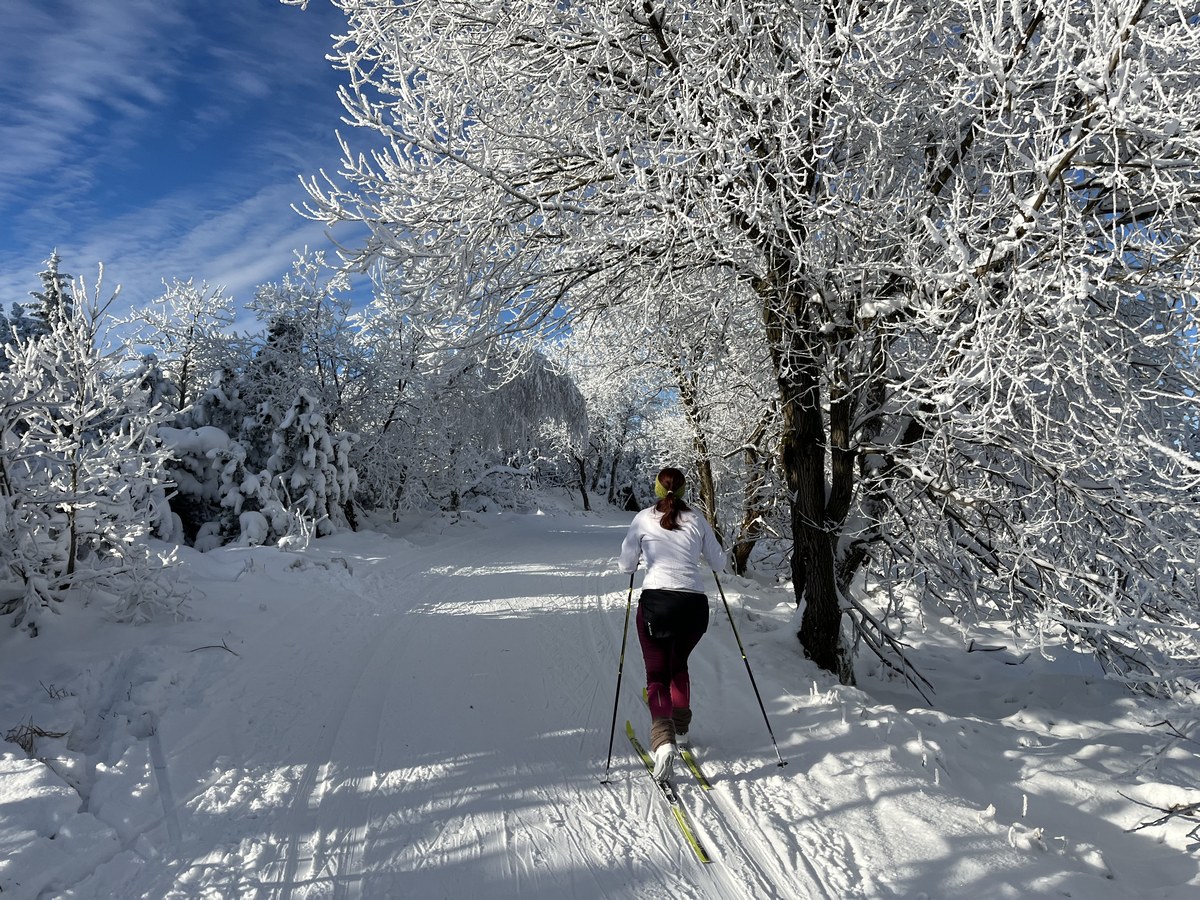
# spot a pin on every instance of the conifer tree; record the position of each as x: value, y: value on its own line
x: 55, y: 299
x: 309, y: 466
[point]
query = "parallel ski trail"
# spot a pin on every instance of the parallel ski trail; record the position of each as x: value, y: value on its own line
x: 525, y: 804
x: 436, y: 727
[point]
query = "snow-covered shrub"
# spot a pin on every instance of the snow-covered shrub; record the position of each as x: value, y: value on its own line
x: 193, y: 468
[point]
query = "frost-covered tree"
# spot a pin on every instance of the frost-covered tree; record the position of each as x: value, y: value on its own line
x: 443, y: 418
x: 486, y: 409
x: 308, y: 339
x: 27, y: 320
x: 18, y: 326
x: 21, y: 325
x: 187, y: 329
x: 967, y: 229
x: 194, y: 468
x: 151, y: 378
x: 306, y: 345
x: 383, y: 412
x: 200, y: 436
x: 81, y: 474
x: 255, y: 512
x: 626, y: 396
x: 710, y: 345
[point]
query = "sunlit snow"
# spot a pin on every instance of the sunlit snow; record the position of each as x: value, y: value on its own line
x: 426, y: 714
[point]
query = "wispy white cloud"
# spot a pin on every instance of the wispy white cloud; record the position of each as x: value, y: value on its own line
x: 233, y: 99
x: 239, y: 245
x: 72, y: 75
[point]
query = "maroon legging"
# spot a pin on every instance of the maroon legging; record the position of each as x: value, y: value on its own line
x: 667, y: 684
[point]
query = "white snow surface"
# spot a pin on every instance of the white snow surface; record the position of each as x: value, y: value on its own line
x: 426, y: 714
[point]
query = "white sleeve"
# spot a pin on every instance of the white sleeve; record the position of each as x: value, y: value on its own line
x: 631, y: 548
x: 714, y: 554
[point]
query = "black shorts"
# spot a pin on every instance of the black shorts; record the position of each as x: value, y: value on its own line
x: 669, y: 614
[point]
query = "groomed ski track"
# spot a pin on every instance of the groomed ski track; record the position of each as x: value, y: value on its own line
x: 438, y: 728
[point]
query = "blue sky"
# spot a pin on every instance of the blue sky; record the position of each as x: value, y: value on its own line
x: 164, y: 139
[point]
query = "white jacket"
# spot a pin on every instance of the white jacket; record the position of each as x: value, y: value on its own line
x: 672, y: 557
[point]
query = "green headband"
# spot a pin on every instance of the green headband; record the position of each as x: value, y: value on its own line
x: 662, y: 493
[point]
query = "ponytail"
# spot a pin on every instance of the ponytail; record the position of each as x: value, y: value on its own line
x: 668, y: 487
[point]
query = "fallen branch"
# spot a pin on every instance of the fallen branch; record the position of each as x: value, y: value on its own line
x: 1187, y: 811
x: 220, y: 646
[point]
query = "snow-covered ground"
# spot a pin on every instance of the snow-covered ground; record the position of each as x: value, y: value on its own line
x: 426, y: 714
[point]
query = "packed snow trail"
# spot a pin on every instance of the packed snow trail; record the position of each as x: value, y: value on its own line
x: 436, y: 728
x: 427, y: 716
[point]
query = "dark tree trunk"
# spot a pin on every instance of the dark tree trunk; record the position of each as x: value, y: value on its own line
x: 758, y: 462
x: 803, y: 460
x: 797, y: 355
x: 581, y: 468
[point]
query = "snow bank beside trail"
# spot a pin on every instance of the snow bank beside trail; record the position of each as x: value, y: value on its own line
x: 89, y: 790
x: 1029, y: 775
x: 1056, y: 756
x: 45, y: 841
x: 84, y: 784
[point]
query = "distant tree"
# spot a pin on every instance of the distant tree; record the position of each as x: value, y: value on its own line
x: 624, y: 398
x: 383, y: 410
x: 308, y: 342
x: 27, y: 320
x: 482, y: 417
x: 54, y: 300
x: 702, y: 354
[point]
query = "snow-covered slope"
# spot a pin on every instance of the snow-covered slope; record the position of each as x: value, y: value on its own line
x: 426, y: 715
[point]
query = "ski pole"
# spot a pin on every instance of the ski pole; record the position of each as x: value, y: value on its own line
x: 757, y: 695
x: 620, y: 668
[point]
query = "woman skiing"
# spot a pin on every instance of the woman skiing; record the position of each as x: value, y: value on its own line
x: 672, y: 612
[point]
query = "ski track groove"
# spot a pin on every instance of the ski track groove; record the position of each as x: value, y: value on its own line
x: 730, y: 855
x: 751, y: 839
x: 312, y: 791
x: 526, y: 866
x: 348, y: 851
